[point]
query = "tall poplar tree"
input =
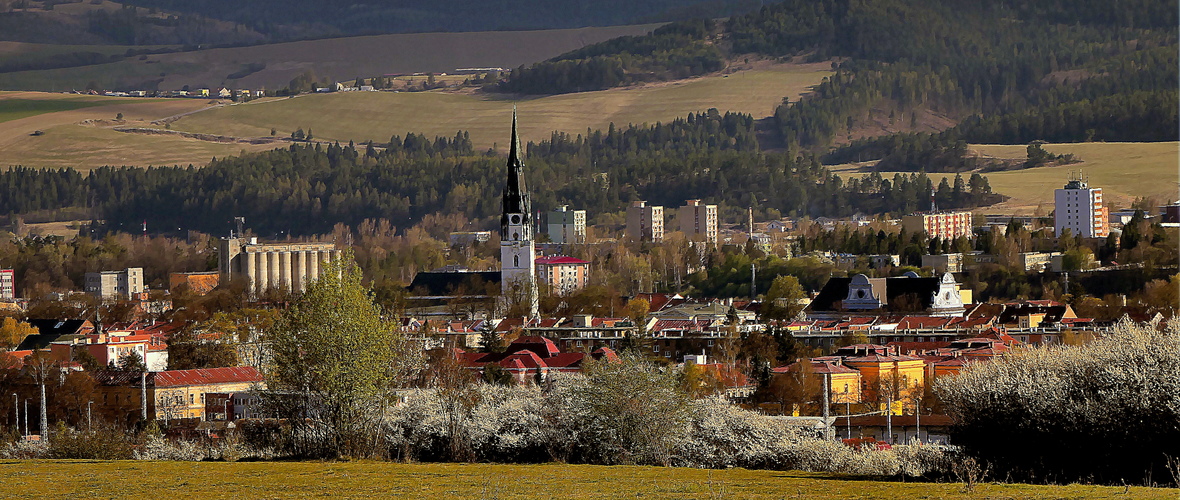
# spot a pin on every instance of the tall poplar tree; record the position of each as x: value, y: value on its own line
x: 333, y: 365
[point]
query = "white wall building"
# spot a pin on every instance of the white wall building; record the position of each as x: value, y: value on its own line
x: 1079, y: 208
x: 126, y: 284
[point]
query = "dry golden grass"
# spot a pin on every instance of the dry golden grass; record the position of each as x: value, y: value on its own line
x: 363, y: 116
x: 1124, y: 171
x: 78, y: 132
x: 208, y: 480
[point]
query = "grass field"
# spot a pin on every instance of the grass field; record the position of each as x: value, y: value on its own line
x: 16, y: 108
x: 362, y: 116
x: 79, y: 131
x: 1124, y: 171
x: 208, y: 480
x: 342, y: 59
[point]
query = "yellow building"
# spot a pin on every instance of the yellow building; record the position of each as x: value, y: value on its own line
x: 884, y: 374
x: 170, y: 395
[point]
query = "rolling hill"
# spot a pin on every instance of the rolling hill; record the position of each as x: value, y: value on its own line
x: 87, y: 137
x: 332, y: 58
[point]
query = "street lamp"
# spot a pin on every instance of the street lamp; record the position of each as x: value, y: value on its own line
x: 26, y: 417
x: 88, y: 424
x: 16, y: 411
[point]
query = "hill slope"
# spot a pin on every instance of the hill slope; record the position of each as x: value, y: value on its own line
x: 334, y: 58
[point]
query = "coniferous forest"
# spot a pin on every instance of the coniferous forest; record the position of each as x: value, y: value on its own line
x: 308, y: 188
x: 1008, y: 72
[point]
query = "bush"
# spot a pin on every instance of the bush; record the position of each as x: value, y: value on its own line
x: 103, y: 443
x: 1107, y: 411
x: 528, y: 424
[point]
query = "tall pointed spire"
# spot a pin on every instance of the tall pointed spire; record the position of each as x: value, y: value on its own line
x: 516, y: 199
x: 514, y: 151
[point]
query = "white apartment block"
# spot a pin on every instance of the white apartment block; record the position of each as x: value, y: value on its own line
x: 945, y: 225
x: 125, y: 285
x: 7, y: 285
x: 697, y: 221
x: 566, y: 226
x: 645, y: 223
x: 1078, y: 207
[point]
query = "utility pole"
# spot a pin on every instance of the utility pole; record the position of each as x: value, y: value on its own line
x: 16, y: 411
x: 918, y: 424
x: 44, y: 417
x: 143, y: 396
x: 889, y: 417
x: 26, y: 417
x: 89, y: 427
x: 848, y: 412
x: 827, y: 403
x: 753, y: 282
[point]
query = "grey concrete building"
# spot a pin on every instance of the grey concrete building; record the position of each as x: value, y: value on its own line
x: 286, y: 266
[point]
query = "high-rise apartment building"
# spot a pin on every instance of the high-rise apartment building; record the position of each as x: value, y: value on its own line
x: 697, y: 221
x: 126, y: 284
x: 1079, y: 208
x: 945, y: 225
x: 7, y: 285
x: 645, y: 223
x: 566, y: 226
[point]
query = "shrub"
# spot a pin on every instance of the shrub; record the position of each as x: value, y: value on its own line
x: 102, y: 443
x: 1107, y: 411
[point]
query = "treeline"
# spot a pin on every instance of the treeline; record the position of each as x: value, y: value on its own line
x: 1131, y: 117
x: 299, y: 19
x: 307, y: 189
x: 674, y: 51
x: 128, y: 25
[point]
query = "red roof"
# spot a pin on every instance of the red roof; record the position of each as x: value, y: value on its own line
x: 559, y: 259
x: 229, y: 375
x: 916, y: 322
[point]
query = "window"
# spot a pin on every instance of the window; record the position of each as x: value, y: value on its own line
x: 515, y: 259
x: 192, y: 399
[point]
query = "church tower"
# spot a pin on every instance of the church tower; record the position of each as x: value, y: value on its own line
x: 517, y: 254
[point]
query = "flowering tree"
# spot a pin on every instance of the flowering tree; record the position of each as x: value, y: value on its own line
x: 1104, y: 411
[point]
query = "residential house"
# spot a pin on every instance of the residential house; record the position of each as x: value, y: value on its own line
x: 533, y: 359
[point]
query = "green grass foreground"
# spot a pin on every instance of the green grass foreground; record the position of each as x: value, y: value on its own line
x: 207, y: 480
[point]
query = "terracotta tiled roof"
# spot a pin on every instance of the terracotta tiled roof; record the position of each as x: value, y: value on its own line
x: 921, y: 322
x: 560, y: 259
x: 233, y: 374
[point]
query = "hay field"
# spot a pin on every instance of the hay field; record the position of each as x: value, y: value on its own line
x: 211, y: 480
x: 1124, y: 171
x: 363, y: 116
x: 342, y: 59
x: 79, y: 132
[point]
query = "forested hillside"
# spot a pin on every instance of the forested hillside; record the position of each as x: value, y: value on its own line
x: 1010, y: 71
x: 307, y: 189
x: 293, y: 19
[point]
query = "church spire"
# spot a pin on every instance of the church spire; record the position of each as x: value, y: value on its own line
x: 514, y: 151
x: 516, y: 200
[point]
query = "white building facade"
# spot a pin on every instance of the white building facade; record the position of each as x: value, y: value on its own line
x: 1078, y: 207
